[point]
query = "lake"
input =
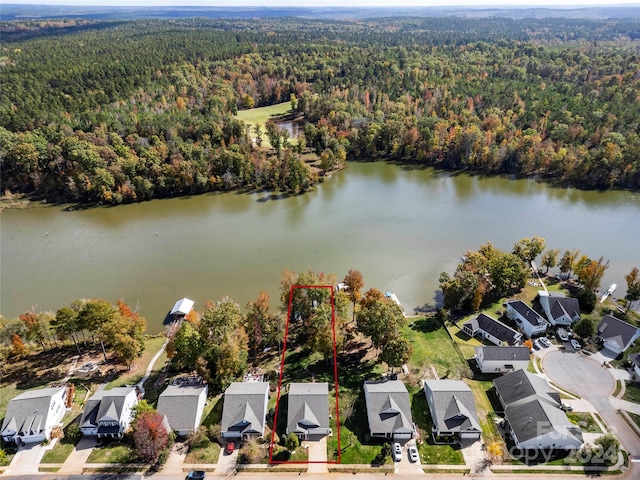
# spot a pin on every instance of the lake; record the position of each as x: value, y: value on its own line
x: 399, y: 226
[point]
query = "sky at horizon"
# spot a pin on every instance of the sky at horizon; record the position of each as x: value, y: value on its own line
x: 330, y: 3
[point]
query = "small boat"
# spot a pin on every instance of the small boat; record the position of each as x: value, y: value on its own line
x: 610, y: 290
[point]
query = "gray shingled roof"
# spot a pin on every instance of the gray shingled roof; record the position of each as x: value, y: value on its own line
x: 559, y: 306
x: 179, y: 403
x: 520, y: 385
x: 635, y: 359
x: 615, y: 330
x: 105, y: 405
x: 453, y: 408
x: 494, y: 327
x: 388, y: 407
x: 504, y: 353
x: 244, y: 409
x: 308, y: 408
x: 529, y: 314
x: 536, y: 418
x: 29, y: 410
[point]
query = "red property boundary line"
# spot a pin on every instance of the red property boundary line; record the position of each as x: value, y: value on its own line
x: 335, y: 377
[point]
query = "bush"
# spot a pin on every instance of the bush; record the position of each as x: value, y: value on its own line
x: 292, y: 442
x: 72, y: 433
x: 198, y: 438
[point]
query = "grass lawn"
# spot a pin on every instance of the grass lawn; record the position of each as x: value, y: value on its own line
x: 207, y: 453
x: 632, y: 392
x: 112, y: 453
x: 281, y: 454
x: 59, y: 453
x: 432, y: 346
x: 635, y: 418
x: 353, y: 452
x: 429, y: 452
x: 212, y: 413
x: 585, y: 421
x: 139, y: 367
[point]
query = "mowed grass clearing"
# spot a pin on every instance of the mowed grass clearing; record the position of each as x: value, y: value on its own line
x: 261, y: 116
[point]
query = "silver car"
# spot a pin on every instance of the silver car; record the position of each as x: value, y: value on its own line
x: 397, y: 452
x: 413, y: 453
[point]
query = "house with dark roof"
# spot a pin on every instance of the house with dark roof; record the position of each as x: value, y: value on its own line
x: 616, y: 335
x: 559, y: 309
x: 528, y: 320
x: 389, y: 410
x: 308, y: 410
x: 32, y: 415
x: 532, y: 413
x: 453, y: 409
x: 501, y: 359
x: 244, y: 411
x: 108, y: 413
x: 493, y: 330
x: 182, y: 405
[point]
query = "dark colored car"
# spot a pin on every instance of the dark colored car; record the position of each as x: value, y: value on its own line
x: 196, y: 475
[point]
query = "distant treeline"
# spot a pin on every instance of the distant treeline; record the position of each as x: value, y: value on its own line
x: 123, y: 111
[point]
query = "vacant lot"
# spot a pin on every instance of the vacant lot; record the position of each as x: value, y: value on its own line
x: 261, y: 115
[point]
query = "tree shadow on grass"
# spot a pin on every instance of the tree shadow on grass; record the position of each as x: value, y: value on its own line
x: 426, y: 325
x: 215, y: 415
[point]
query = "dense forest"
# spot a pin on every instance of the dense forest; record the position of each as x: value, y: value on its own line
x: 121, y: 111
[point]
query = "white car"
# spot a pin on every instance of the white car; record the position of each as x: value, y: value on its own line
x: 397, y: 452
x: 413, y: 453
x: 575, y: 344
x: 544, y: 341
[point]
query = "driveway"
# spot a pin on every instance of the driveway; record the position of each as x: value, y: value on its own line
x: 317, y: 450
x: 26, y: 460
x: 405, y: 466
x: 584, y: 376
x: 227, y: 463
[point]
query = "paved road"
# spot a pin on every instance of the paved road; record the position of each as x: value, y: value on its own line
x: 582, y: 375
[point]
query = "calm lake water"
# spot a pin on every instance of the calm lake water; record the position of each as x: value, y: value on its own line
x: 399, y: 227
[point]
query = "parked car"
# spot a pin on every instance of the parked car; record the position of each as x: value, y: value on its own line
x: 562, y: 335
x: 413, y: 453
x: 575, y: 344
x: 196, y: 475
x: 566, y: 407
x: 230, y: 448
x: 397, y: 452
x: 535, y: 344
x: 544, y: 341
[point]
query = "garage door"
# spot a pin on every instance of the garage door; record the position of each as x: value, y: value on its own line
x: 402, y: 436
x: 470, y: 435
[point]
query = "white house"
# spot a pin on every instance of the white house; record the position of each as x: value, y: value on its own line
x: 496, y: 332
x: 532, y: 413
x: 108, y: 413
x: 616, y: 335
x: 182, y: 404
x: 560, y: 310
x: 32, y: 415
x: 502, y: 359
x: 530, y: 321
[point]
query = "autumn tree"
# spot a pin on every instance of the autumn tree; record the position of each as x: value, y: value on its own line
x: 150, y: 436
x: 186, y: 346
x: 18, y: 348
x: 260, y: 322
x: 590, y: 272
x: 37, y: 326
x: 633, y: 287
x: 66, y: 323
x: 380, y: 320
x: 396, y: 352
x: 550, y: 259
x: 528, y: 249
x: 567, y: 262
x: 354, y: 282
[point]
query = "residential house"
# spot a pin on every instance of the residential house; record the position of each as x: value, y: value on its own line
x: 452, y: 408
x: 308, y: 410
x: 635, y: 364
x: 182, y: 308
x: 493, y: 330
x: 502, y: 359
x: 182, y: 404
x: 532, y: 413
x: 616, y: 335
x: 559, y: 309
x: 32, y: 415
x: 389, y: 410
x: 109, y: 413
x: 530, y: 321
x: 245, y: 410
